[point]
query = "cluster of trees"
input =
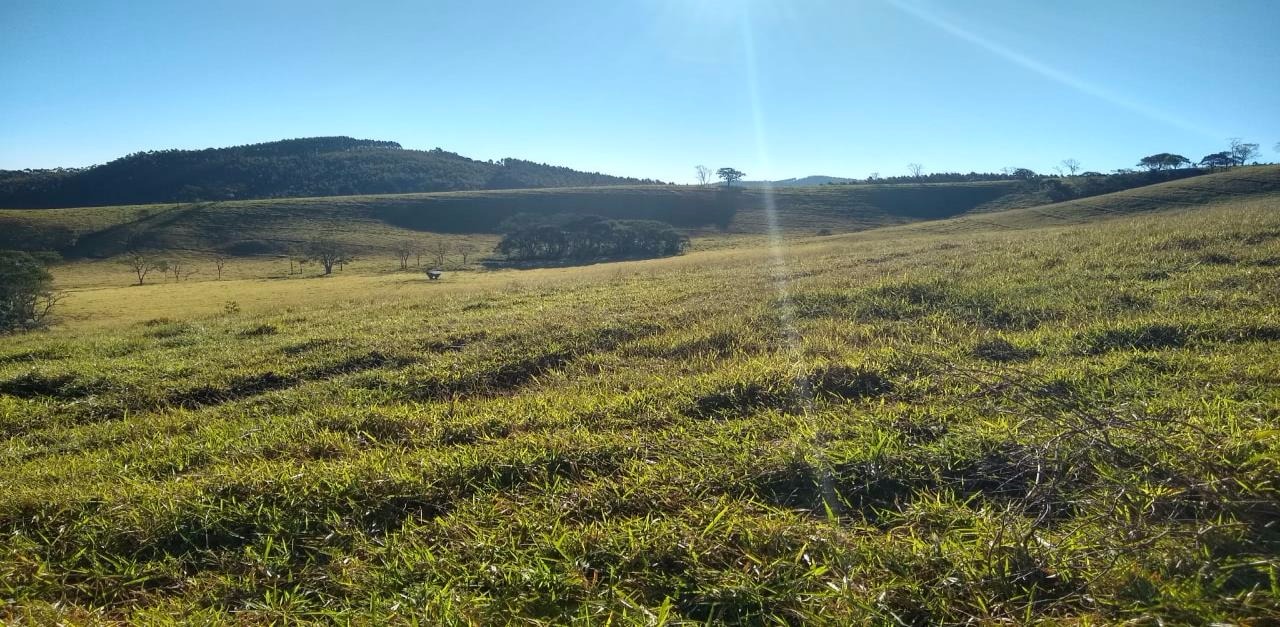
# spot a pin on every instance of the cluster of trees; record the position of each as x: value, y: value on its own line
x: 1240, y: 153
x: 728, y: 175
x: 436, y: 250
x: 917, y: 175
x: 143, y: 263
x: 317, y: 166
x: 26, y: 291
x: 579, y: 237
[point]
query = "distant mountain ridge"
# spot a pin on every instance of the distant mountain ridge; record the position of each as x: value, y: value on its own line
x: 807, y: 181
x: 291, y: 168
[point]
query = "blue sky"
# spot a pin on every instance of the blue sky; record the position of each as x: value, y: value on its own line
x: 777, y: 88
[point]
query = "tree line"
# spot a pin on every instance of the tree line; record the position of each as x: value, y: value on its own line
x: 317, y: 166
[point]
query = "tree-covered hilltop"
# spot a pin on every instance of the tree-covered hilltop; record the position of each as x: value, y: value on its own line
x: 314, y: 166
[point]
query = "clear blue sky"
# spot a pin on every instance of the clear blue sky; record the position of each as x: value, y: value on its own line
x: 777, y: 88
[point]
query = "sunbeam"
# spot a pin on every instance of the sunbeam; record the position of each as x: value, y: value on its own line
x: 1052, y: 73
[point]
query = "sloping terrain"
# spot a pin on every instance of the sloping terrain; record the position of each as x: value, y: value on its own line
x: 1074, y: 425
x: 374, y: 222
x: 269, y: 226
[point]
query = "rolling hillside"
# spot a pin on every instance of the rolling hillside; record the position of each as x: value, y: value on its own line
x: 271, y: 226
x: 250, y: 227
x: 315, y: 166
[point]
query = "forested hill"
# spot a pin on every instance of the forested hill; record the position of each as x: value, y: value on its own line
x: 315, y: 166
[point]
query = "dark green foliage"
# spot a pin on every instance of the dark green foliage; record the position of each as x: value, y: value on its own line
x: 591, y: 237
x: 316, y: 166
x: 1218, y: 160
x: 1163, y: 161
x: 26, y: 291
x: 1094, y: 184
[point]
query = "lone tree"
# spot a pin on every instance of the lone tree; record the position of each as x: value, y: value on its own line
x: 915, y: 169
x: 220, y: 262
x: 729, y: 175
x: 439, y: 250
x: 404, y: 250
x: 1242, y: 152
x: 26, y: 292
x: 1071, y: 165
x: 704, y: 174
x: 465, y: 250
x: 142, y: 264
x: 179, y: 269
x: 328, y: 253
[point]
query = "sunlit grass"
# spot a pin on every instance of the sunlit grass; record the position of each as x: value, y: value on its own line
x: 1072, y: 423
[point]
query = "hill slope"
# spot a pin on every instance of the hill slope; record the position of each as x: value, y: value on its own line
x: 316, y: 166
x: 1261, y: 183
x: 371, y: 222
x: 271, y: 226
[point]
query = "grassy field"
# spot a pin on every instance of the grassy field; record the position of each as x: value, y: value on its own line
x: 1006, y: 417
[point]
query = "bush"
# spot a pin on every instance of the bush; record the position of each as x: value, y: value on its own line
x: 26, y: 292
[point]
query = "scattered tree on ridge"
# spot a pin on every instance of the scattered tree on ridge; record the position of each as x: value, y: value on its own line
x: 1072, y: 166
x: 729, y: 175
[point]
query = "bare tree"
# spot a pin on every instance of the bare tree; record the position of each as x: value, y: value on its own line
x: 142, y: 264
x: 220, y: 262
x: 915, y: 169
x: 328, y: 253
x: 404, y: 250
x: 439, y: 249
x: 1242, y: 152
x: 1072, y: 165
x: 874, y: 176
x: 465, y: 249
x: 704, y: 175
